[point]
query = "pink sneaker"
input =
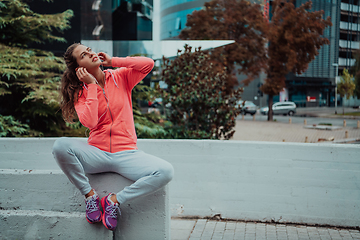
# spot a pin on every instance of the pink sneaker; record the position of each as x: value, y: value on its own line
x: 109, y: 217
x: 93, y: 213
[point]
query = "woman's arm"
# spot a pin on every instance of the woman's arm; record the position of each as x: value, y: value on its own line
x: 87, y: 107
x: 136, y: 67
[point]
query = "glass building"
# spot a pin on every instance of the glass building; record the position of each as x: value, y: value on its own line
x: 173, y: 14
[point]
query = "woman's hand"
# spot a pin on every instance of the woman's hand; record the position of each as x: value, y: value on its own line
x: 85, y: 76
x: 106, y: 59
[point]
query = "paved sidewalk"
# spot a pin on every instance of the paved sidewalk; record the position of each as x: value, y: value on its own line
x: 249, y: 130
x: 203, y: 229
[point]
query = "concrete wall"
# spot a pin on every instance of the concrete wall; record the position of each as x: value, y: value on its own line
x: 263, y: 181
x: 260, y: 181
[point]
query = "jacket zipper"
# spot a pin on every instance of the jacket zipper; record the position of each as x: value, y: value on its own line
x: 111, y: 117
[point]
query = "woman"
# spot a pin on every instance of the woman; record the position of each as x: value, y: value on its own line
x: 102, y: 102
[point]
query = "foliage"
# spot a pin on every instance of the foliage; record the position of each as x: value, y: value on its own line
x: 236, y: 20
x: 346, y: 86
x: 200, y: 107
x: 295, y: 36
x: 9, y: 127
x: 34, y: 72
x: 20, y: 25
x: 30, y: 77
x: 146, y: 125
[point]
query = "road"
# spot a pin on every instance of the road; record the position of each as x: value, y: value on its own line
x: 296, y: 119
x: 314, y: 115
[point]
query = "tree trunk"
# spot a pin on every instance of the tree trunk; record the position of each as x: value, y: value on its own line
x: 270, y: 113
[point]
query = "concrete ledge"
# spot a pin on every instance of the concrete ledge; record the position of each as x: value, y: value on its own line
x: 307, y: 183
x: 30, y: 224
x: 280, y: 182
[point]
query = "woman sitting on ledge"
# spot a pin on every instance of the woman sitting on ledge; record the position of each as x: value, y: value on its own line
x: 102, y: 102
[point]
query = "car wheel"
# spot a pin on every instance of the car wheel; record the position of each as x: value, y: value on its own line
x: 291, y: 113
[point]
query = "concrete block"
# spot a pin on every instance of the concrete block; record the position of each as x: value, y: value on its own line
x: 51, y: 191
x: 30, y: 224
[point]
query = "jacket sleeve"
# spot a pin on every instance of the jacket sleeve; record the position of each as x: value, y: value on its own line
x: 87, y: 107
x: 136, y: 68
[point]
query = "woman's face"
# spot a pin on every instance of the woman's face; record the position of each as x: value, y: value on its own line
x: 86, y: 58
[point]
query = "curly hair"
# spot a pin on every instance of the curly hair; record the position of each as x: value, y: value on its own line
x: 70, y: 85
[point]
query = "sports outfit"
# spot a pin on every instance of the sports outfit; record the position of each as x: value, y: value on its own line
x: 112, y: 141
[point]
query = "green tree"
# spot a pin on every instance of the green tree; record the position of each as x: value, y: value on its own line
x: 295, y: 36
x: 30, y: 77
x: 346, y: 86
x: 200, y: 106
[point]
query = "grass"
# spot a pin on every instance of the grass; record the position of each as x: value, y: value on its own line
x: 351, y: 114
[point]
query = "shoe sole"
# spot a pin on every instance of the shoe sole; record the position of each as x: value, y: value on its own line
x: 103, y: 215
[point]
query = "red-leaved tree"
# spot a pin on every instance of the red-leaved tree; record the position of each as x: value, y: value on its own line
x: 236, y: 20
x: 295, y: 36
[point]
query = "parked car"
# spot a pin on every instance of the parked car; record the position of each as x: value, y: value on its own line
x: 247, y: 107
x: 285, y: 108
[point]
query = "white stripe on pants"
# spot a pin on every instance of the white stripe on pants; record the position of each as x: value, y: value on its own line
x: 76, y: 158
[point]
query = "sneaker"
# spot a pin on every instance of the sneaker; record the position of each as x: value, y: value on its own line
x: 93, y: 213
x: 109, y: 217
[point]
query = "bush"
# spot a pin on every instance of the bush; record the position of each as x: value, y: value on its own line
x: 200, y: 107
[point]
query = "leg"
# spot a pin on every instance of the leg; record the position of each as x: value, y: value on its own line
x: 150, y: 173
x: 76, y: 158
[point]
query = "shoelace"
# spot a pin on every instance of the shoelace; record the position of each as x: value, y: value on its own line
x: 111, y: 209
x: 91, y: 205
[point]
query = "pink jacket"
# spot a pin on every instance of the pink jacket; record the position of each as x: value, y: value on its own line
x: 109, y: 115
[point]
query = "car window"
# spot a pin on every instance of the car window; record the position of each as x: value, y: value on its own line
x: 249, y: 103
x: 283, y: 104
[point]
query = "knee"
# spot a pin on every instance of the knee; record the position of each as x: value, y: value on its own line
x: 60, y: 145
x: 167, y: 173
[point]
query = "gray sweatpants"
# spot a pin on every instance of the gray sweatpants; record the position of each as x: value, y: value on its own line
x: 76, y: 158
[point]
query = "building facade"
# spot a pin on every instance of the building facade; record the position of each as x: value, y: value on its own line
x: 173, y: 14
x: 316, y: 86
